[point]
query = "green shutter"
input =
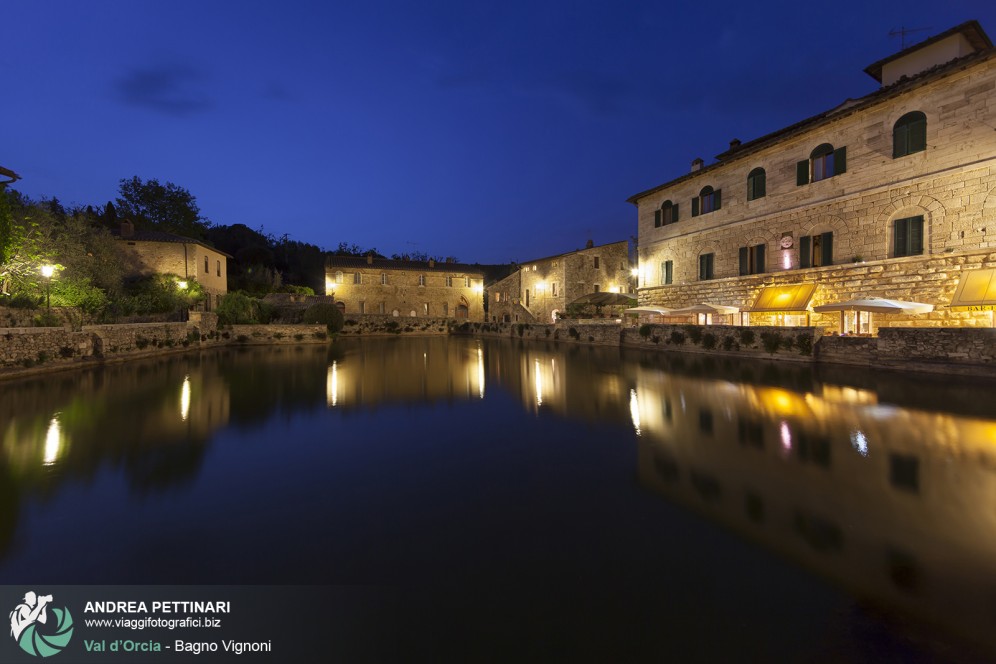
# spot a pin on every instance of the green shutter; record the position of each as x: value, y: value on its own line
x: 805, y: 243
x: 668, y: 271
x: 717, y: 201
x: 695, y: 207
x: 900, y: 141
x: 900, y: 237
x: 916, y: 236
x: 759, y: 267
x: 744, y: 267
x: 917, y: 136
x: 827, y: 243
x: 840, y: 161
x: 657, y: 218
x: 674, y: 213
x: 760, y: 185
x: 802, y: 172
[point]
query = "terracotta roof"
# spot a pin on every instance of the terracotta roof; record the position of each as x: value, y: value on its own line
x: 972, y: 31
x: 162, y: 236
x: 570, y: 253
x: 844, y: 109
x: 391, y: 264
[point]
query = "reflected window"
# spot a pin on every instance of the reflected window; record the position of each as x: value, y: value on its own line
x: 904, y: 472
x: 904, y: 571
x: 754, y: 506
x: 821, y: 534
x: 666, y: 467
x: 705, y: 421
x: 750, y: 433
x: 706, y: 486
x: 813, y: 449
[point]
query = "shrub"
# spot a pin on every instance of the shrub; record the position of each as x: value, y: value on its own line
x: 728, y: 343
x: 193, y: 336
x: 47, y: 319
x: 66, y: 352
x: 771, y: 341
x: 325, y: 313
x: 141, y: 342
x: 804, y: 343
x: 677, y: 338
x: 42, y: 357
x: 320, y: 335
x: 708, y: 340
x: 237, y: 309
x: 645, y: 330
x: 520, y: 327
x: 242, y: 338
x: 746, y: 336
x: 694, y: 333
x: 23, y: 301
x: 573, y: 333
x: 299, y: 336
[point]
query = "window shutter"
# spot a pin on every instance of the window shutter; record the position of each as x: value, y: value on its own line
x: 743, y: 261
x: 899, y: 237
x: 916, y: 236
x: 695, y: 207
x: 802, y: 172
x: 804, y: 251
x: 717, y: 200
x: 669, y: 271
x: 827, y: 243
x: 760, y: 186
x: 760, y: 259
x: 917, y: 136
x: 900, y: 144
x: 840, y: 160
x: 702, y: 267
x: 674, y: 213
x: 657, y: 218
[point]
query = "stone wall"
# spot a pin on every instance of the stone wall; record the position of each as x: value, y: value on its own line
x: 375, y: 324
x: 958, y: 350
x: 276, y: 334
x: 860, y: 351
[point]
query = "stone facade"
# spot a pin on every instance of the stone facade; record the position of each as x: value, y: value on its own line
x: 405, y: 289
x: 950, y: 183
x: 165, y: 253
x: 542, y: 288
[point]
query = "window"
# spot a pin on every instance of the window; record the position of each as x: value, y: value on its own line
x: 554, y: 288
x: 527, y: 297
x: 824, y: 162
x: 206, y: 268
x: 597, y: 287
x: 425, y: 308
x: 708, y: 200
x: 358, y: 278
x: 816, y: 250
x: 756, y: 184
x: 909, y: 134
x: 383, y: 278
x: 466, y: 282
x: 706, y: 264
x: 596, y: 262
x: 381, y: 309
x: 752, y: 259
x: 421, y: 280
x: 219, y: 268
x: 667, y: 272
x: 363, y: 307
x: 446, y: 309
x: 338, y: 277
x: 667, y: 214
x: 908, y: 236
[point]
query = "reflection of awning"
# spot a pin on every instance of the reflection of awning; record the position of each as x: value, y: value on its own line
x: 784, y: 299
x: 976, y: 291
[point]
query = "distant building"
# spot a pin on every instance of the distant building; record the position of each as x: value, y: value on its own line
x: 542, y: 288
x: 368, y: 285
x: 890, y: 195
x: 157, y: 252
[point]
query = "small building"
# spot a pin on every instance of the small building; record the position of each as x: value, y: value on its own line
x: 158, y: 252
x: 370, y: 285
x: 889, y: 195
x: 541, y: 289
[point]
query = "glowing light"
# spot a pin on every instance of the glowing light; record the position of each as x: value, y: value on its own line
x: 634, y: 410
x: 182, y: 285
x: 786, y: 436
x: 479, y: 288
x: 859, y: 442
x: 539, y: 383
x: 53, y: 442
x: 615, y: 289
x: 332, y: 386
x: 635, y: 272
x: 480, y: 371
x: 47, y: 271
x: 329, y: 286
x: 185, y: 398
x: 541, y: 286
x: 786, y: 260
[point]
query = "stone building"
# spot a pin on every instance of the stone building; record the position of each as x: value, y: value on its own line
x: 889, y: 195
x: 369, y: 285
x: 542, y: 288
x: 166, y: 253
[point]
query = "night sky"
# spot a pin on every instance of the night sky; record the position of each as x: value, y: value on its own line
x: 490, y: 131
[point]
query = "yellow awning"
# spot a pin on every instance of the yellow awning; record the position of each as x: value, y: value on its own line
x: 976, y: 291
x: 784, y: 299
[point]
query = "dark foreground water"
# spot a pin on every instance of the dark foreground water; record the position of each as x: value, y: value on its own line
x: 527, y: 502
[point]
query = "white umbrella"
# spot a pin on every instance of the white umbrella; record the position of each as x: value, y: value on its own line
x: 874, y: 305
x: 706, y: 308
x: 660, y: 311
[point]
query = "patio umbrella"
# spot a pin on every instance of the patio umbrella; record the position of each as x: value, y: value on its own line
x: 635, y: 311
x: 874, y: 305
x: 706, y: 308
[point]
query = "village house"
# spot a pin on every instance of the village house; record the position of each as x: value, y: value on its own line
x: 370, y: 285
x: 157, y: 252
x: 890, y: 195
x: 541, y: 289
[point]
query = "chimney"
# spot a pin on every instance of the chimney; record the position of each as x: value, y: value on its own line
x: 697, y: 164
x: 734, y: 144
x: 127, y: 228
x: 432, y: 263
x: 370, y: 259
x: 589, y: 244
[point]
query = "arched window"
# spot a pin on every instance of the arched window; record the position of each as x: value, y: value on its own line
x: 707, y: 201
x: 666, y: 214
x: 338, y: 277
x: 909, y: 134
x: 824, y: 162
x: 756, y: 184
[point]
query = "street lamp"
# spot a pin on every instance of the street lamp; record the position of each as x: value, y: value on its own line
x: 47, y: 271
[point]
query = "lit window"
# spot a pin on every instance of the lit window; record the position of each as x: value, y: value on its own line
x: 752, y: 259
x: 466, y: 282
x: 421, y: 280
x: 338, y: 277
x: 667, y: 214
x: 449, y: 281
x: 357, y: 278
x: 708, y: 200
x: 908, y: 236
x: 756, y: 184
x: 816, y: 250
x: 909, y: 134
x: 383, y: 278
x: 824, y: 162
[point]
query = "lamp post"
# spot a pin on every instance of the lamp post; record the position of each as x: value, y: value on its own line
x: 47, y: 271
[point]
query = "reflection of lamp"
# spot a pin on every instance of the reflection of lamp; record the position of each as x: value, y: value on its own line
x: 53, y: 441
x: 47, y: 271
x: 182, y: 285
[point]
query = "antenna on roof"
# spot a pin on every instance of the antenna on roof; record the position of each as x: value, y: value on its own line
x: 903, y: 31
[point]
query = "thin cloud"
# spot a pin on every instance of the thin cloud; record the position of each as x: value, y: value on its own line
x: 168, y: 89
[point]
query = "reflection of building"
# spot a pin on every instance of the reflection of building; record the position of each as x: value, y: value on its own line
x: 165, y: 253
x: 542, y: 288
x: 369, y: 285
x: 887, y: 195
x: 894, y: 504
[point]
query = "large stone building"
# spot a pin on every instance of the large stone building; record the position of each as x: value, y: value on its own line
x: 157, y: 252
x: 542, y: 288
x: 369, y: 285
x: 890, y: 195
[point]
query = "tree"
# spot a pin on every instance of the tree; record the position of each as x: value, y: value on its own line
x: 6, y: 227
x: 163, y: 207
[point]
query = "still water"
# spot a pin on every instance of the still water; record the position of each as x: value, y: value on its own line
x: 527, y: 501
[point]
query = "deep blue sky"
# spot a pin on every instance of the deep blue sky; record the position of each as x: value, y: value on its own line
x: 490, y: 131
